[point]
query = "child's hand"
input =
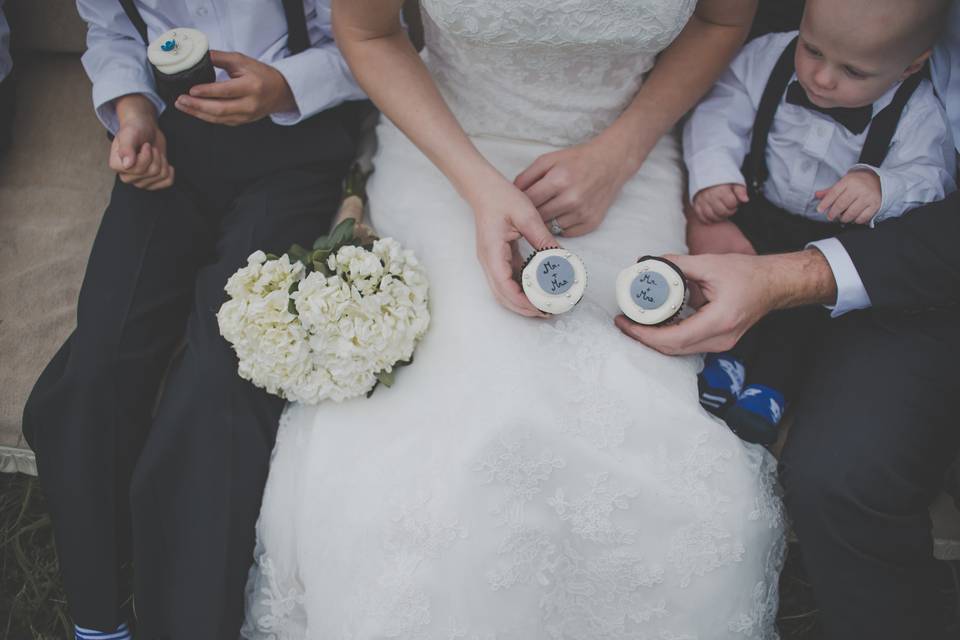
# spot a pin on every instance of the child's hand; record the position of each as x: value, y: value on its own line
x: 855, y: 198
x: 717, y: 203
x: 139, y: 150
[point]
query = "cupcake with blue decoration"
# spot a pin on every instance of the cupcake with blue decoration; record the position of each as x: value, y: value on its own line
x: 180, y: 59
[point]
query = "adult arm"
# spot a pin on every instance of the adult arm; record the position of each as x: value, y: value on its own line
x: 738, y: 290
x: 115, y: 60
x: 907, y: 264
x: 387, y: 66
x: 911, y: 263
x: 576, y: 186
x: 319, y: 77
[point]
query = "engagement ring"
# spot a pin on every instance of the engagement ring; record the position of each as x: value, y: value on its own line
x: 555, y: 228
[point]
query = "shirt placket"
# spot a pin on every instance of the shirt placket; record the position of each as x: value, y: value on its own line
x: 803, y: 178
x: 204, y: 16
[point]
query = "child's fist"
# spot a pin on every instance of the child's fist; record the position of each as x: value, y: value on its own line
x: 719, y: 202
x: 856, y: 198
x: 139, y: 150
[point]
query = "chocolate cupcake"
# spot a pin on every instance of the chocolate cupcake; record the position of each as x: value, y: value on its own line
x: 180, y: 59
x: 554, y: 280
x: 652, y: 291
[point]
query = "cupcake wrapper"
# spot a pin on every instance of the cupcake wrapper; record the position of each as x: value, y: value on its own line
x: 171, y: 86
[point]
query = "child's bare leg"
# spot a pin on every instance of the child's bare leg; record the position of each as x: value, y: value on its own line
x: 719, y: 237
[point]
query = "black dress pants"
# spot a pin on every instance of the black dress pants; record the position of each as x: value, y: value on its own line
x: 174, y: 486
x: 874, y: 432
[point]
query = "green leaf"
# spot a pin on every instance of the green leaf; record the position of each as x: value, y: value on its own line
x: 292, y: 308
x: 387, y: 377
x: 373, y: 388
x: 343, y: 233
x: 323, y: 242
x: 271, y: 256
x: 298, y: 253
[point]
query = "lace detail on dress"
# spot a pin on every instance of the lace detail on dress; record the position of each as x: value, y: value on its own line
x: 279, y: 599
x: 556, y: 72
x: 589, y: 516
x: 595, y: 414
x: 398, y: 603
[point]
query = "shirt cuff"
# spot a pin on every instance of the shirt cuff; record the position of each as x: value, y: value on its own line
x: 709, y: 169
x: 891, y: 191
x: 851, y: 294
x: 319, y: 79
x: 108, y: 89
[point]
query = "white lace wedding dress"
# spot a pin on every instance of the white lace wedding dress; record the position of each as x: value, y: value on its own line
x: 524, y: 479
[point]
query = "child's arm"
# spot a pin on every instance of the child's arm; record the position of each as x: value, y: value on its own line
x: 918, y: 169
x: 115, y: 60
x: 717, y: 134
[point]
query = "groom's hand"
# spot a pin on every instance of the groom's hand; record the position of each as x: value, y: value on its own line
x: 737, y: 291
x: 253, y: 91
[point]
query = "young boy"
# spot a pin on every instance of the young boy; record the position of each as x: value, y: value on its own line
x: 805, y: 134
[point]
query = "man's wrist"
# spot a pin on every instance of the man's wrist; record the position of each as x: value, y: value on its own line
x: 134, y: 106
x: 800, y: 278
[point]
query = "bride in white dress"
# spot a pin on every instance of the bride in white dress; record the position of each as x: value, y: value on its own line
x: 525, y: 478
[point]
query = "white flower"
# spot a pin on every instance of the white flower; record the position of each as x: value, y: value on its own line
x: 348, y: 327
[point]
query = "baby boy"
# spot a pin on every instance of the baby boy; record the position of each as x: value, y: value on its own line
x: 807, y: 133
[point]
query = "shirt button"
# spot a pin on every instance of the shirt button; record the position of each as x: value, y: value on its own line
x: 202, y: 11
x: 807, y: 165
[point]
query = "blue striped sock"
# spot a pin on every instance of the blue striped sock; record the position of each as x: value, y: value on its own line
x: 121, y: 633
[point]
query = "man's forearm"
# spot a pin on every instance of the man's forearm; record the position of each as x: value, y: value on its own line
x: 798, y: 279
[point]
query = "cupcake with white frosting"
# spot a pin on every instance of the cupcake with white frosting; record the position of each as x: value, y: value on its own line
x: 554, y: 280
x: 652, y: 291
x: 180, y: 59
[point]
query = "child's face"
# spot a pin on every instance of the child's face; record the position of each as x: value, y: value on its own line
x: 843, y: 62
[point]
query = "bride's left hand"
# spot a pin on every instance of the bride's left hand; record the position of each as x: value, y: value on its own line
x: 577, y: 185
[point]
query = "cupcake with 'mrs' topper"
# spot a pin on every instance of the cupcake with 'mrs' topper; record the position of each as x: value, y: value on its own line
x: 180, y: 59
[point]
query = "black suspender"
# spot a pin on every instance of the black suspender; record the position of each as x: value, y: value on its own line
x: 756, y: 163
x: 297, y: 37
x: 879, y: 135
x: 134, y: 14
x: 876, y: 147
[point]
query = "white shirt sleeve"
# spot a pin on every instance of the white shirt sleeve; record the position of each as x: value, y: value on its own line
x: 115, y: 59
x: 921, y: 163
x: 851, y: 294
x: 716, y: 136
x: 318, y: 77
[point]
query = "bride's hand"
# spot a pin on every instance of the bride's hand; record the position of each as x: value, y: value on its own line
x: 576, y: 186
x: 504, y: 215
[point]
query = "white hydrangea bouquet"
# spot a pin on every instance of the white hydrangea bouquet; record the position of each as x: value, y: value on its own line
x: 328, y: 323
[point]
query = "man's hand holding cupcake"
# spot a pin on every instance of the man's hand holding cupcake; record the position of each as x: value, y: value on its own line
x: 139, y: 150
x: 254, y: 90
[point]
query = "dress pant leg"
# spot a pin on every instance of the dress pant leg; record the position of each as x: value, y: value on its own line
x: 87, y: 415
x: 777, y: 350
x: 874, y: 431
x: 197, y: 487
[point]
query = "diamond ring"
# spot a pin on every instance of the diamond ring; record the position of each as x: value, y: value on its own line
x: 555, y: 228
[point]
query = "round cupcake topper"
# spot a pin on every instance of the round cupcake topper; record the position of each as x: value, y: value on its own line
x: 652, y: 291
x: 177, y: 50
x: 554, y: 280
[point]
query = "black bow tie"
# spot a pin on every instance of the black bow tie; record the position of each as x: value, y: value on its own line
x: 855, y: 120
